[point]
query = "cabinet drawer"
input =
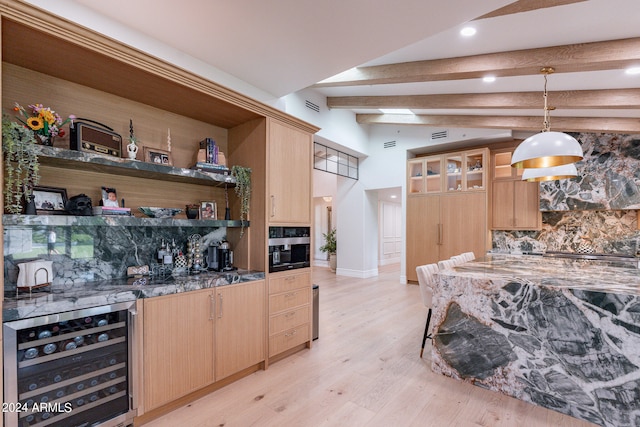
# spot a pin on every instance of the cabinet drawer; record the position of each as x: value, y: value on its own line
x: 289, y: 339
x: 289, y: 282
x: 289, y: 299
x: 288, y: 319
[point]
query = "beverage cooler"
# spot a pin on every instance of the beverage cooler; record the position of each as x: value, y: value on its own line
x: 70, y: 369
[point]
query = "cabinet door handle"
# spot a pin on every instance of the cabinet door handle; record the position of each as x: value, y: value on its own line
x: 212, y: 306
x: 440, y: 234
x: 273, y: 205
x: 220, y: 311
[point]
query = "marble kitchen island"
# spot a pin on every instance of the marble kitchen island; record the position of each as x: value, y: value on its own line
x: 560, y: 333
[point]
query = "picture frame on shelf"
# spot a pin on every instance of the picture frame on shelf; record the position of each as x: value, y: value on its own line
x: 208, y: 210
x: 157, y: 156
x: 50, y: 200
x: 110, y: 197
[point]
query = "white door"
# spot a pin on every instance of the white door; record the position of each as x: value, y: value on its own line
x: 390, y: 224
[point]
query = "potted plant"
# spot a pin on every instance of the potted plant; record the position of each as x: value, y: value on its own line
x: 330, y: 247
x: 20, y: 165
x: 243, y: 191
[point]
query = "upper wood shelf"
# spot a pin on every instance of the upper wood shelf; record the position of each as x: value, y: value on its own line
x: 61, y: 157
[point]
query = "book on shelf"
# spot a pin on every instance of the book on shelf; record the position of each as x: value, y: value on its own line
x: 211, y: 150
x: 211, y: 167
x: 111, y: 210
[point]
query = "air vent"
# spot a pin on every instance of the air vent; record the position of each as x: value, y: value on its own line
x: 389, y: 144
x: 440, y: 135
x: 310, y: 105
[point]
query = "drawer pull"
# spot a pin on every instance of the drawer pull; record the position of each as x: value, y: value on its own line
x: 290, y: 294
x: 292, y: 333
x: 290, y: 314
x: 290, y: 278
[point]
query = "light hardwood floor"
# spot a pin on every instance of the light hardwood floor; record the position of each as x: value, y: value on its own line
x: 365, y: 370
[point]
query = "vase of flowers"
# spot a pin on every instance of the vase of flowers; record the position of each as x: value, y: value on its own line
x: 44, y: 122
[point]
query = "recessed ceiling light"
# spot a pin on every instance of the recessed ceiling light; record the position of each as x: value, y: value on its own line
x: 396, y: 111
x: 633, y: 70
x: 468, y: 31
x: 393, y: 196
x: 489, y: 79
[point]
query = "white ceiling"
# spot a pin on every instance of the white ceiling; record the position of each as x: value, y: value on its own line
x: 282, y: 46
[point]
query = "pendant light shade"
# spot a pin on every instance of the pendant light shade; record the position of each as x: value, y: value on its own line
x: 546, y: 149
x: 550, y: 173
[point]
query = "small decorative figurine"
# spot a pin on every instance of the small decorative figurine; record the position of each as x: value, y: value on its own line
x: 132, y: 148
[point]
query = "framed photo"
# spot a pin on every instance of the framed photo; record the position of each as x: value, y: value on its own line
x: 208, y: 210
x: 110, y: 197
x: 157, y: 156
x: 50, y: 200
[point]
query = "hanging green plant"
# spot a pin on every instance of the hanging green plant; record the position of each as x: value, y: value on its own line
x: 20, y: 165
x: 243, y: 191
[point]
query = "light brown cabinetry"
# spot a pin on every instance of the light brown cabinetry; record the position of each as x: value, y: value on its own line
x: 446, y: 207
x: 178, y: 346
x: 240, y: 327
x: 289, y: 172
x: 289, y: 310
x: 440, y: 226
x: 194, y: 338
x: 452, y: 172
x: 514, y: 203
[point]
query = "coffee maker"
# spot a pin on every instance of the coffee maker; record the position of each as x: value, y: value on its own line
x: 220, y: 257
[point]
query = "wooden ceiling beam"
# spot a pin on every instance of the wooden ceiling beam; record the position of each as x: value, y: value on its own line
x: 526, y: 6
x: 567, y: 124
x: 596, y: 56
x: 577, y: 99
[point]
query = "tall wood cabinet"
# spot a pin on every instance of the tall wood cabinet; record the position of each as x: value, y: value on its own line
x: 515, y: 204
x: 449, y: 217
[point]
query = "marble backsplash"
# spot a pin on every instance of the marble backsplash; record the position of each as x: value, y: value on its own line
x: 90, y: 253
x: 608, y: 176
x: 609, y: 232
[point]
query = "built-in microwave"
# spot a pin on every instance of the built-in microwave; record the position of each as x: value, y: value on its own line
x: 289, y: 248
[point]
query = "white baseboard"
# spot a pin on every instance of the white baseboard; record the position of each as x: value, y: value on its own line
x: 360, y: 274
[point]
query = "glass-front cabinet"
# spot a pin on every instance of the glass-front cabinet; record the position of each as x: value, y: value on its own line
x: 459, y: 171
x: 424, y: 175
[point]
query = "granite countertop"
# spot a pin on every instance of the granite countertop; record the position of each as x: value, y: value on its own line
x: 591, y: 275
x: 63, y: 298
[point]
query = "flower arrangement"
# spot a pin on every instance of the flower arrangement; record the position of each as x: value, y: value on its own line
x: 43, y: 121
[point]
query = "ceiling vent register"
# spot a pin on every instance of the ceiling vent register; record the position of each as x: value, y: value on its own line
x: 310, y: 105
x: 440, y: 135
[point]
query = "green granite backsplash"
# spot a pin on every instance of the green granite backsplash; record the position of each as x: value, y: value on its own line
x: 82, y: 253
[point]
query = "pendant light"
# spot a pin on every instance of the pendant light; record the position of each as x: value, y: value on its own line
x: 550, y: 174
x: 547, y: 148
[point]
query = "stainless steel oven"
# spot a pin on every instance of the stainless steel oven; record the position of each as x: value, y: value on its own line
x: 70, y: 369
x: 289, y: 248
